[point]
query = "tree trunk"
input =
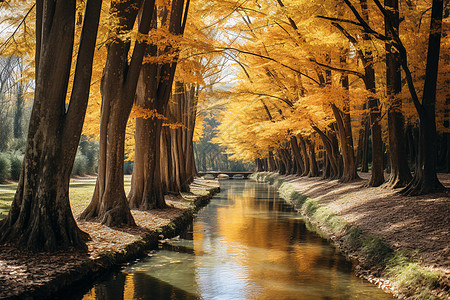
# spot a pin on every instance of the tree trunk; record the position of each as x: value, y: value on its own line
x: 166, y: 161
x: 365, y: 147
x: 346, y: 143
x: 287, y: 159
x: 18, y: 112
x: 331, y: 156
x: 313, y: 167
x: 447, y: 135
x: 411, y: 144
x: 109, y: 203
x: 400, y: 174
x: 302, y: 146
x: 272, y: 163
x: 377, y: 172
x: 146, y: 189
x: 282, y: 169
x: 40, y: 217
x: 297, y: 156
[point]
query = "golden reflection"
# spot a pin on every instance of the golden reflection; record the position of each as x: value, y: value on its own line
x: 128, y: 291
x: 90, y: 295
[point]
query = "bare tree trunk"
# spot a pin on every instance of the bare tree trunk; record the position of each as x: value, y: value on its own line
x: 272, y: 164
x: 146, y: 188
x: 331, y: 156
x: 349, y: 168
x: 297, y: 156
x: 365, y: 147
x: 305, y: 154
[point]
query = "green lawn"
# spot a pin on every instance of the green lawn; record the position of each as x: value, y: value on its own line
x: 80, y: 194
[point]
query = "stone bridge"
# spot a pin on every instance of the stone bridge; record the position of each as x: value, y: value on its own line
x: 229, y: 173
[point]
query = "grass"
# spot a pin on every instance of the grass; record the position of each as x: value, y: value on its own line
x: 7, y: 192
x: 376, y: 250
x: 402, y: 267
x: 80, y: 194
x: 353, y: 237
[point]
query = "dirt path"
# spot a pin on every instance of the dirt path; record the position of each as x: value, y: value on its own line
x: 416, y: 223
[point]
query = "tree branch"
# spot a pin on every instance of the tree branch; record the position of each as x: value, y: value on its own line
x: 289, y: 103
x: 83, y: 73
x: 364, y: 24
x: 140, y: 46
x: 344, y: 71
x: 271, y: 59
x: 404, y: 58
x: 352, y: 40
x: 339, y: 20
x: 4, y: 44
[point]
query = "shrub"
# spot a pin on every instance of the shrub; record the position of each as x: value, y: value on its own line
x: 354, y: 237
x: 16, y: 166
x: 80, y: 165
x: 310, y: 207
x: 128, y: 167
x: 5, y: 167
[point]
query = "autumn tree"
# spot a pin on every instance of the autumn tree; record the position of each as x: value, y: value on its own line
x: 425, y: 178
x: 40, y: 217
x: 153, y: 94
x: 118, y: 88
x: 400, y: 174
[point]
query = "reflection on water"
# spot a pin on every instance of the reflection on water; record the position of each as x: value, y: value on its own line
x: 246, y: 244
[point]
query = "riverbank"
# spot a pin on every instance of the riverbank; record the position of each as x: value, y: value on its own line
x: 26, y: 275
x: 402, y: 244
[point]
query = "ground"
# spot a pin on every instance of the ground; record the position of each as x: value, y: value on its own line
x: 21, y: 271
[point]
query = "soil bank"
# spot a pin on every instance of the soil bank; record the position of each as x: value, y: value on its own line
x: 26, y: 275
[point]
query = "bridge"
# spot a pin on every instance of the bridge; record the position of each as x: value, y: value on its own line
x: 229, y: 173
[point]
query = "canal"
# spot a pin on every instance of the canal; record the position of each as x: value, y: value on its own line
x: 246, y: 244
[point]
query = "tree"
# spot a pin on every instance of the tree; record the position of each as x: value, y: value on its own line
x: 40, y: 217
x: 120, y: 76
x: 425, y: 178
x: 153, y: 94
x: 400, y: 175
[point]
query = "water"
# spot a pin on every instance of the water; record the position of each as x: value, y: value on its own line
x: 246, y: 244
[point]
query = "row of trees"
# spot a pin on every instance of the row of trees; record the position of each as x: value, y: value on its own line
x: 127, y: 72
x: 347, y: 77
